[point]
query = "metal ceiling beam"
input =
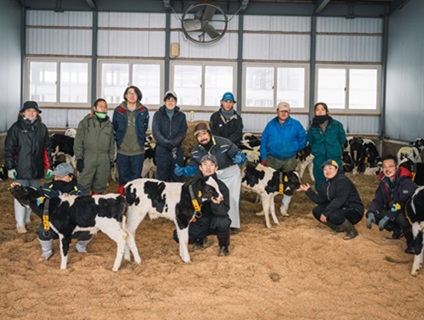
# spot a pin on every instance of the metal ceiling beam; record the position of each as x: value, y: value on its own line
x: 320, y: 5
x: 91, y: 4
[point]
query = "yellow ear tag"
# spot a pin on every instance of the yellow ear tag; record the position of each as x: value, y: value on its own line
x: 199, y: 195
x: 280, y: 188
x: 366, y: 160
x: 286, y: 179
x: 46, y: 224
x: 196, y: 205
x: 413, y: 176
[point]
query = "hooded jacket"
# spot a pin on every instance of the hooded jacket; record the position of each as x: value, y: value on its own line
x: 230, y: 128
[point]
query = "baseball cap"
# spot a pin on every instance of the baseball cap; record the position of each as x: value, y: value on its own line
x: 228, y: 96
x: 283, y: 106
x: 210, y: 157
x: 63, y: 169
x: 170, y: 94
x: 330, y: 163
x: 30, y: 105
x: 200, y: 127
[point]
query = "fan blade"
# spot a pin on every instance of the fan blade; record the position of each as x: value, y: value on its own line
x: 192, y: 25
x: 198, y: 14
x: 210, y: 30
x: 209, y: 12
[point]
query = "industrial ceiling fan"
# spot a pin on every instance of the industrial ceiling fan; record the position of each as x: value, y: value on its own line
x: 204, y: 23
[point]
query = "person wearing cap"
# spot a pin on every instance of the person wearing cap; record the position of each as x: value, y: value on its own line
x: 326, y: 136
x: 226, y: 122
x: 214, y: 218
x: 27, y: 153
x: 228, y: 156
x: 130, y: 122
x: 63, y: 183
x: 281, y: 140
x: 339, y: 204
x: 169, y: 128
x: 94, y: 148
x: 387, y: 209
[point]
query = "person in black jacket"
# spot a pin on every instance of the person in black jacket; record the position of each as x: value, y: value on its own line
x: 27, y: 154
x: 226, y: 122
x: 214, y: 217
x: 339, y: 204
x: 169, y: 129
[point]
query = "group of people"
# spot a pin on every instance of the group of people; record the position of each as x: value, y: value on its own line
x: 28, y: 160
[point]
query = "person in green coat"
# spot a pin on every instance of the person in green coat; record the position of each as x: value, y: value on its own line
x: 326, y: 136
x: 94, y: 148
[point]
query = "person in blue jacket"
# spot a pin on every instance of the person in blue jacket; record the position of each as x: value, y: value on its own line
x: 130, y: 121
x: 169, y: 128
x: 326, y: 136
x: 282, y: 139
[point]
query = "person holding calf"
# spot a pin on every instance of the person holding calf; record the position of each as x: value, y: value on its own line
x: 387, y: 209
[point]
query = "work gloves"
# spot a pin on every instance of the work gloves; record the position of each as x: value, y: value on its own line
x: 80, y: 165
x: 188, y: 171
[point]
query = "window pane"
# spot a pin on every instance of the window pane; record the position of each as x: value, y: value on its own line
x: 291, y: 86
x: 218, y: 80
x: 259, y: 87
x: 363, y: 89
x: 188, y: 85
x: 147, y: 78
x: 115, y: 79
x: 42, y: 83
x: 331, y: 87
x: 74, y: 82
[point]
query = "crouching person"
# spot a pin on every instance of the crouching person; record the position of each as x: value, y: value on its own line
x: 64, y: 182
x: 339, y: 205
x: 213, y: 217
x: 387, y: 209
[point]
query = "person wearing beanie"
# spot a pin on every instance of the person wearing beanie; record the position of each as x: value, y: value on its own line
x: 327, y: 137
x: 63, y: 183
x: 27, y: 153
x: 339, y: 204
x: 214, y: 218
x: 169, y: 128
x: 387, y: 209
x: 130, y: 121
x: 228, y: 156
x: 226, y: 122
x: 94, y: 148
x: 281, y: 140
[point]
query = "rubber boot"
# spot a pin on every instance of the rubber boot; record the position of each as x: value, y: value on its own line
x: 223, y: 242
x: 46, y: 248
x: 333, y: 227
x: 121, y: 189
x: 409, y: 243
x: 350, y: 229
x: 81, y: 245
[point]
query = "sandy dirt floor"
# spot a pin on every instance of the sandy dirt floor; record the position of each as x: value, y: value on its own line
x: 295, y: 270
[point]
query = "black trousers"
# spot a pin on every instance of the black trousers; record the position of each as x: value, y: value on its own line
x: 337, y: 217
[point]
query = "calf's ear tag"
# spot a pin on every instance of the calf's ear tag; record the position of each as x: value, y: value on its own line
x: 280, y: 188
x: 199, y: 194
x: 286, y: 179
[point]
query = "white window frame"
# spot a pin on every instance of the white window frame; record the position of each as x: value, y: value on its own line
x: 58, y: 61
x: 203, y: 65
x: 348, y: 67
x: 275, y: 66
x: 130, y: 64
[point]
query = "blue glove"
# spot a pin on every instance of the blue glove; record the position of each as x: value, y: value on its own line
x: 188, y: 171
x: 48, y: 174
x: 370, y: 220
x: 12, y: 174
x: 383, y: 222
x: 239, y: 158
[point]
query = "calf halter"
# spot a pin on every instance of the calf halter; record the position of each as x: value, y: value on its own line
x: 197, y: 207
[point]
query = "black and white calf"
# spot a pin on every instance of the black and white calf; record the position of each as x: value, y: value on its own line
x: 178, y: 202
x: 3, y: 173
x: 62, y: 148
x: 267, y: 183
x: 305, y: 161
x: 69, y: 214
x: 415, y: 211
x: 363, y: 155
x: 250, y: 145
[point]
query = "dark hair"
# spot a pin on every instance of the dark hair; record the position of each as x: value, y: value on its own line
x: 321, y: 103
x: 99, y: 100
x: 389, y: 157
x: 136, y: 90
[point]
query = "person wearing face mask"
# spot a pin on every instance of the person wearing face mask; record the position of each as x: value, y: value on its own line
x: 339, y: 204
x: 94, y: 148
x: 326, y: 136
x: 226, y: 122
x: 27, y: 152
x: 64, y: 183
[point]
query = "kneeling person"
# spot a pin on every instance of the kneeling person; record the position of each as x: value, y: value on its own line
x: 339, y: 204
x: 214, y: 217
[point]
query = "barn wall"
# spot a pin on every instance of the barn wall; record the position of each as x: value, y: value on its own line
x: 404, y: 115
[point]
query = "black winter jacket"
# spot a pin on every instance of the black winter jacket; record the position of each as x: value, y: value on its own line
x: 169, y: 133
x: 28, y: 149
x: 231, y: 128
